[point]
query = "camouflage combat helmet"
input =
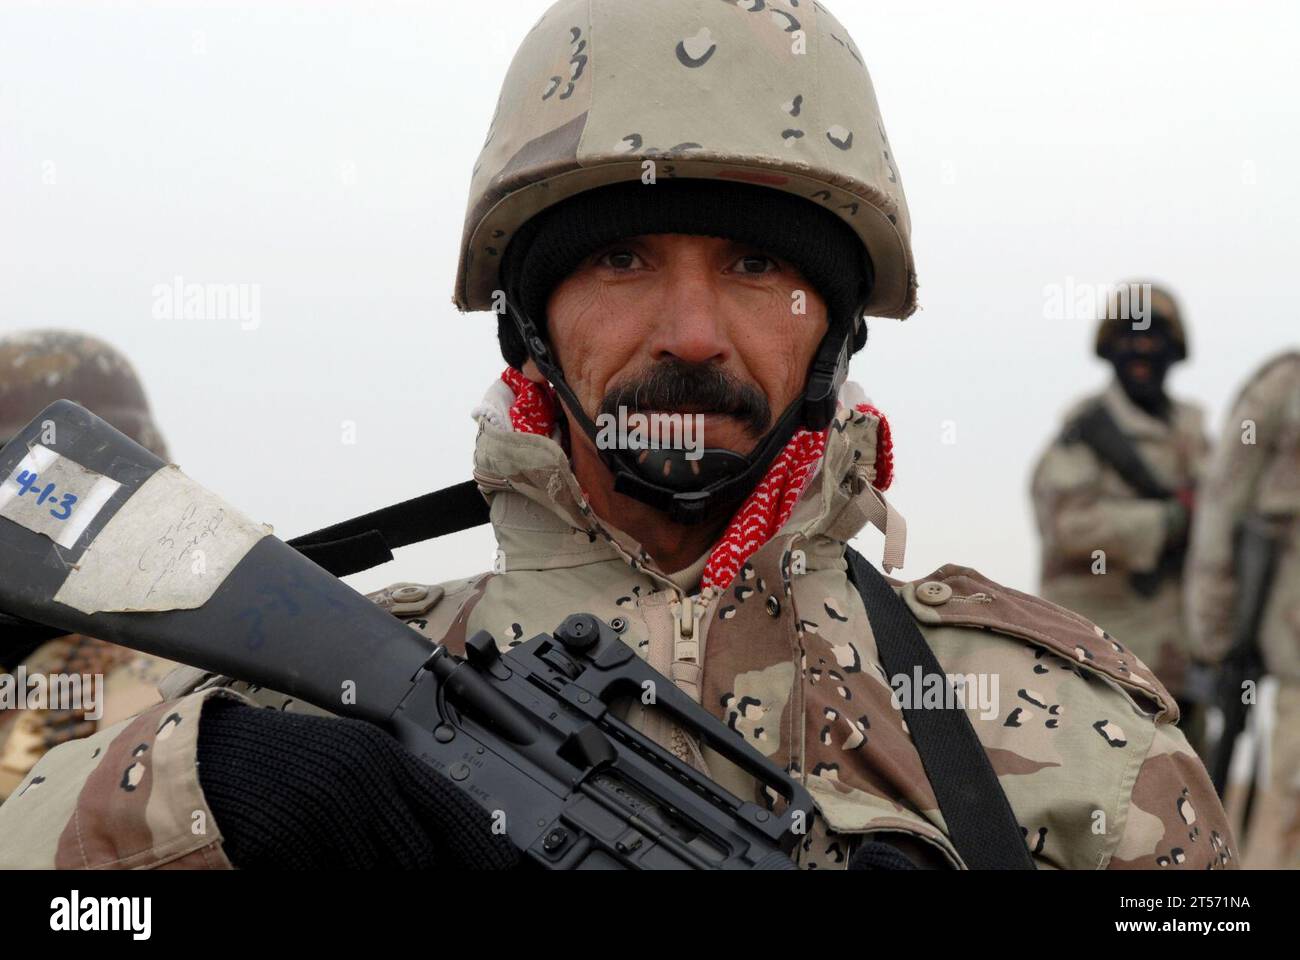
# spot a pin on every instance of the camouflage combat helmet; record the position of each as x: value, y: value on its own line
x: 40, y: 366
x: 771, y: 93
x: 1127, y: 303
x: 729, y: 102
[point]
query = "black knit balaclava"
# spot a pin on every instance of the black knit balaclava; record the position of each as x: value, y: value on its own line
x: 1160, y: 351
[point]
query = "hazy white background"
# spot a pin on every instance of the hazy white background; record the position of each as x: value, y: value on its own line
x: 323, y: 150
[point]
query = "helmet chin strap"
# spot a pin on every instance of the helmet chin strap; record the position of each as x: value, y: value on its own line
x: 695, y: 491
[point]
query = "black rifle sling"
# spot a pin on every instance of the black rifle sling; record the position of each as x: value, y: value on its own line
x: 367, y: 541
x: 1097, y: 430
x: 977, y: 813
x: 979, y: 818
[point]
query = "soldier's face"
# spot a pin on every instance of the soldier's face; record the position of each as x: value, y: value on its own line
x: 684, y: 324
x: 1142, y: 359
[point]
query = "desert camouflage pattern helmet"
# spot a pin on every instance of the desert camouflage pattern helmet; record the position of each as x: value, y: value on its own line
x: 1127, y: 303
x: 767, y: 92
x: 40, y: 366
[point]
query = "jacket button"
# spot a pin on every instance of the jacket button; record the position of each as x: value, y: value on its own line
x: 411, y: 593
x: 773, y: 606
x: 933, y: 593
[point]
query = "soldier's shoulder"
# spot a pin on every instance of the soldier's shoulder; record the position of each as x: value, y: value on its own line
x: 432, y: 609
x: 1280, y: 372
x: 1083, y: 724
x: 1081, y: 405
x: 1063, y: 443
x: 1287, y: 360
x: 418, y: 604
x: 959, y: 596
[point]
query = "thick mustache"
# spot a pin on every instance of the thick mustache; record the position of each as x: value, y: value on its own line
x: 691, y: 388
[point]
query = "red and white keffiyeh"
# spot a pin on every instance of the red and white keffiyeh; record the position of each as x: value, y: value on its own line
x: 766, y: 509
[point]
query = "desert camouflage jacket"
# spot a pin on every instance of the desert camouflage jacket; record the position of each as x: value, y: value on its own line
x: 1096, y: 531
x: 1255, y: 470
x: 1079, y: 731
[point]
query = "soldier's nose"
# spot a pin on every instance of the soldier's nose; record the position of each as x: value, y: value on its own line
x: 690, y: 326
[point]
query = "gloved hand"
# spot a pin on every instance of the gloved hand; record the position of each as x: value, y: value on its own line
x: 878, y: 855
x: 292, y: 791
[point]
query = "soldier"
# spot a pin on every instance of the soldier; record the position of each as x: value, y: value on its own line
x: 1114, y: 492
x: 1252, y: 484
x: 690, y: 252
x: 37, y: 368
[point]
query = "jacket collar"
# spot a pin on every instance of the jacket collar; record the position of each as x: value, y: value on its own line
x: 542, y: 520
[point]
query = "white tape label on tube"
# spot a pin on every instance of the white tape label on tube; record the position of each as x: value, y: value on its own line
x: 54, y: 496
x: 168, y: 548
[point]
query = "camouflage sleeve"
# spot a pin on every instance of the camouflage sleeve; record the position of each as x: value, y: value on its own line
x: 1227, y: 492
x: 1173, y: 818
x: 1076, y: 517
x: 127, y: 797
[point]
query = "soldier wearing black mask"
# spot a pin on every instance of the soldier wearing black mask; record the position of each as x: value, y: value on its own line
x: 1142, y: 358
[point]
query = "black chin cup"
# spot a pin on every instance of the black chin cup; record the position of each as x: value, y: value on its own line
x: 723, y: 485
x: 692, y: 492
x: 676, y: 470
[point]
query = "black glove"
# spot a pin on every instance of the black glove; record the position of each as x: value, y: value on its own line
x: 292, y: 791
x: 878, y: 855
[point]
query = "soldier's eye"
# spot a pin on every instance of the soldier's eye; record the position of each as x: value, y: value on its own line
x: 619, y: 259
x: 754, y: 265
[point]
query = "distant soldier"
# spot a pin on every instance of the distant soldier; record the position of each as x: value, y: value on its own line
x: 37, y: 368
x: 1113, y: 493
x: 1243, y: 594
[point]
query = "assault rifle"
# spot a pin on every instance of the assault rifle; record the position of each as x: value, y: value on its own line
x: 1255, y: 560
x: 99, y: 536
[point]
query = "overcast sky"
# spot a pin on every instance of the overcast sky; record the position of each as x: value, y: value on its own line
x: 320, y: 154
